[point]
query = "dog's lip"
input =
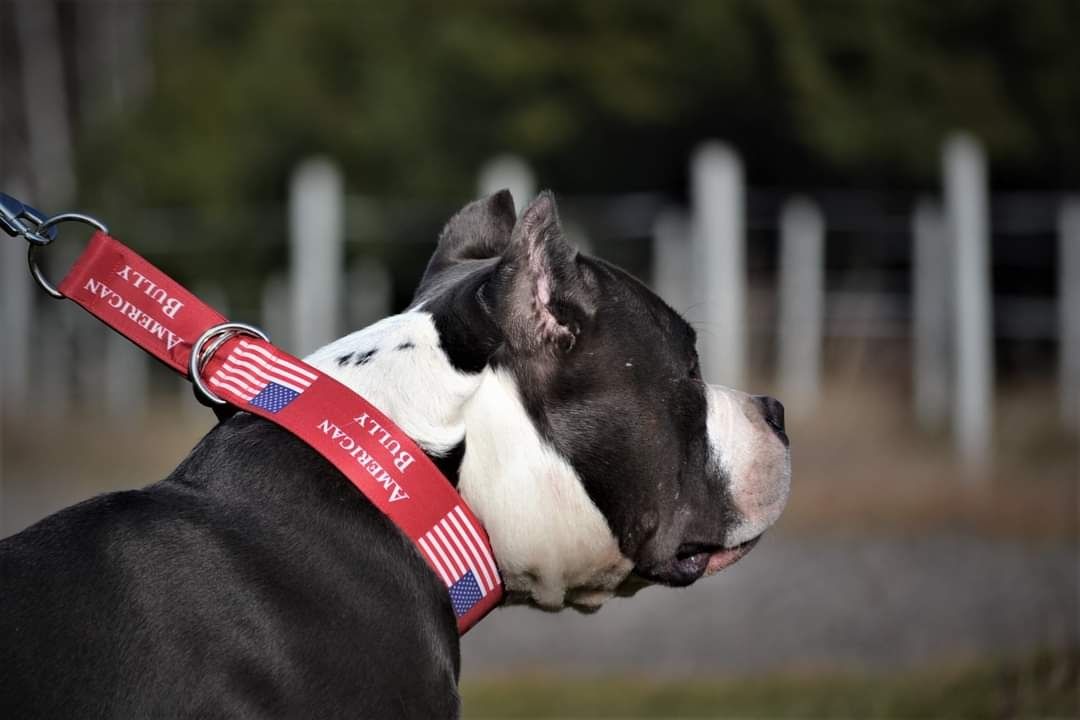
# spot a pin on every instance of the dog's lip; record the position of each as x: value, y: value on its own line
x: 693, y: 561
x: 714, y: 559
x: 726, y: 557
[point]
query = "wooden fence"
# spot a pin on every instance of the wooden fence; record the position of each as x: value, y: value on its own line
x: 698, y: 261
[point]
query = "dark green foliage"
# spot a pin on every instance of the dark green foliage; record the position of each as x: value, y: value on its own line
x: 599, y: 96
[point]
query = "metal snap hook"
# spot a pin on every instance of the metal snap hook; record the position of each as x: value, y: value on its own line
x: 219, y: 334
x: 42, y: 230
x: 13, y: 213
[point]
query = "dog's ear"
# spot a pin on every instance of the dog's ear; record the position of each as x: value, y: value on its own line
x: 546, y: 297
x: 478, y: 231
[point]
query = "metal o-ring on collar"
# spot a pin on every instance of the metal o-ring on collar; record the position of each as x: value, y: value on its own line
x: 216, y: 337
x: 31, y: 260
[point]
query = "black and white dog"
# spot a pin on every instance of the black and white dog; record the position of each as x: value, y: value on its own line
x: 561, y: 395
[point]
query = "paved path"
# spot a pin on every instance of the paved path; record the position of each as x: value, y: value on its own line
x: 804, y: 604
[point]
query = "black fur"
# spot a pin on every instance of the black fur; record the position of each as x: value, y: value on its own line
x: 455, y: 288
x: 610, y: 344
x: 646, y: 468
x: 254, y: 582
x: 365, y: 357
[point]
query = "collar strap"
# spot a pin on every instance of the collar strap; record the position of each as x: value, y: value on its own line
x: 133, y: 297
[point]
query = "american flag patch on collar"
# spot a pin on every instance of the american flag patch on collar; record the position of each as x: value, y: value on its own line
x: 454, y: 548
x: 261, y: 378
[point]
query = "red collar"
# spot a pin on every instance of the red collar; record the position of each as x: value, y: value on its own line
x: 137, y: 300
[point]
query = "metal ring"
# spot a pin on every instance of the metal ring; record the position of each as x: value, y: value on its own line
x: 35, y: 270
x: 200, y: 356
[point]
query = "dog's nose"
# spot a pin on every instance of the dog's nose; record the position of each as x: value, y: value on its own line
x: 773, y: 412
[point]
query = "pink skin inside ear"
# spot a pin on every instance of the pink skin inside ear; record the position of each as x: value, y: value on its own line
x: 548, y: 325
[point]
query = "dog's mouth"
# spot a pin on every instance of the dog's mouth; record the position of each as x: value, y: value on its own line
x: 693, y: 561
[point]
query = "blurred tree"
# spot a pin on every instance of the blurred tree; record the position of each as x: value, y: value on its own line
x: 600, y: 96
x: 411, y: 97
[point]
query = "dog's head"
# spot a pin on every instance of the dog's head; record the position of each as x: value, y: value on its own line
x: 594, y: 453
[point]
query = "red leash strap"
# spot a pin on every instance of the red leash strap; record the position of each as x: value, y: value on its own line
x: 152, y: 310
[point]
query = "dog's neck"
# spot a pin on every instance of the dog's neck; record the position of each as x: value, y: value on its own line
x: 397, y: 364
x: 532, y: 502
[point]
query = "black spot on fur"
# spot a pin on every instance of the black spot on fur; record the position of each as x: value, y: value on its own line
x: 343, y: 360
x: 363, y: 358
x: 407, y: 345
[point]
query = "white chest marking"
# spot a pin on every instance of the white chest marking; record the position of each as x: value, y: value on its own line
x: 551, y: 541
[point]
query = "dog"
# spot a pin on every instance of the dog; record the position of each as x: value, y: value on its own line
x: 560, y: 396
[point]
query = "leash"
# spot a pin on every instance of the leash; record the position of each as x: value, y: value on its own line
x: 234, y: 365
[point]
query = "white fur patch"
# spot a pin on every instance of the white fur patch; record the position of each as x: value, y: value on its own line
x: 416, y: 387
x: 552, y: 543
x: 753, y: 458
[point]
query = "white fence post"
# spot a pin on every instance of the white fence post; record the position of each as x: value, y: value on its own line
x: 931, y: 303
x: 70, y: 336
x: 317, y: 253
x: 51, y: 372
x: 1069, y: 310
x: 509, y: 172
x: 802, y: 303
x: 274, y: 308
x: 48, y: 133
x: 716, y: 180
x: 127, y: 379
x: 671, y: 262
x: 968, y: 221
x: 90, y: 359
x: 113, y: 61
x: 370, y: 292
x: 17, y: 310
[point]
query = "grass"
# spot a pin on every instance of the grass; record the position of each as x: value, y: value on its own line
x: 1043, y: 686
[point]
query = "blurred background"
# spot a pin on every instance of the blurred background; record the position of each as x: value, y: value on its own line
x: 869, y: 209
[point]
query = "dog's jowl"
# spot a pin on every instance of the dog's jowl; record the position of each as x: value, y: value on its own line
x: 558, y: 393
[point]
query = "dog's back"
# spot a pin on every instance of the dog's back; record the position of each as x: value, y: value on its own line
x: 253, y: 582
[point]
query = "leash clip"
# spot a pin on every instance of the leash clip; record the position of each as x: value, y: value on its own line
x: 50, y: 226
x: 213, y: 339
x: 12, y: 214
